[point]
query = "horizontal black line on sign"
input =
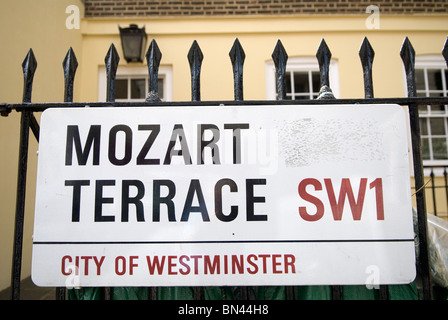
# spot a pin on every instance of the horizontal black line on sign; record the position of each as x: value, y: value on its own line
x: 219, y: 241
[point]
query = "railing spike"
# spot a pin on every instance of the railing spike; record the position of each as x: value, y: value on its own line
x: 445, y: 51
x: 366, y: 55
x: 111, y: 60
x: 324, y: 57
x: 153, y: 57
x: 237, y: 57
x: 29, y: 66
x: 195, y: 58
x: 70, y: 64
x: 407, y: 54
x: 280, y: 58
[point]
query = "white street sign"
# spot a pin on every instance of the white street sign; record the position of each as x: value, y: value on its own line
x: 229, y: 195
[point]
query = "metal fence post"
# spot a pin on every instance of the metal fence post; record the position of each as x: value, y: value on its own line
x: 29, y: 66
x: 366, y: 55
x: 407, y: 54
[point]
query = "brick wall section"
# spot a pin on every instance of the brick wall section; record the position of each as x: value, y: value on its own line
x: 142, y: 8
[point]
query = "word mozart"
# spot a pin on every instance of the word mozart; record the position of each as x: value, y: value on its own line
x: 153, y: 130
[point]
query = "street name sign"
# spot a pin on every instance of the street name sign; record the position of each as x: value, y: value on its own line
x: 223, y: 195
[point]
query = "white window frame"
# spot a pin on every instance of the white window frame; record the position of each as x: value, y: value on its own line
x: 432, y: 62
x: 300, y: 64
x: 123, y: 72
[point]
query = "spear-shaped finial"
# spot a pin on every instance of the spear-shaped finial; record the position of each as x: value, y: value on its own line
x: 280, y: 58
x: 153, y: 57
x: 237, y: 57
x: 70, y: 64
x: 111, y: 60
x: 445, y: 51
x: 324, y: 57
x: 407, y: 54
x: 195, y: 58
x: 366, y: 55
x: 29, y: 66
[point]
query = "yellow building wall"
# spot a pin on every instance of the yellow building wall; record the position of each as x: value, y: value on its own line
x: 29, y: 23
x: 300, y: 36
x: 40, y: 25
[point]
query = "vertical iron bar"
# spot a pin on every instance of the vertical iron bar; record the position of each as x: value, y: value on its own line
x: 366, y: 54
x: 323, y: 56
x: 70, y: 64
x: 445, y: 179
x: 29, y: 66
x: 237, y: 57
x: 280, y: 58
x: 153, y: 57
x: 407, y: 54
x: 336, y: 292
x: 445, y: 55
x: 111, y: 60
x: 433, y: 189
x: 195, y: 58
x: 20, y: 205
x: 34, y: 126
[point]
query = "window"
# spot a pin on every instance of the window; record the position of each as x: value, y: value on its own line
x: 129, y: 88
x: 132, y: 84
x: 302, y: 84
x: 431, y: 78
x: 302, y: 79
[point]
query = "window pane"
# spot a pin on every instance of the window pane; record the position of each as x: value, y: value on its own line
x: 121, y: 89
x: 439, y: 148
x: 420, y: 79
x: 435, y: 80
x: 301, y: 83
x: 423, y: 109
x: 437, y: 126
x: 425, y: 149
x: 316, y: 81
x: 288, y: 82
x: 421, y: 93
x: 423, y: 127
x: 438, y: 109
x: 160, y: 87
x: 138, y: 89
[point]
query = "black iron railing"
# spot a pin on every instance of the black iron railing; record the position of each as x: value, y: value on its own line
x: 436, y: 186
x: 237, y: 57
